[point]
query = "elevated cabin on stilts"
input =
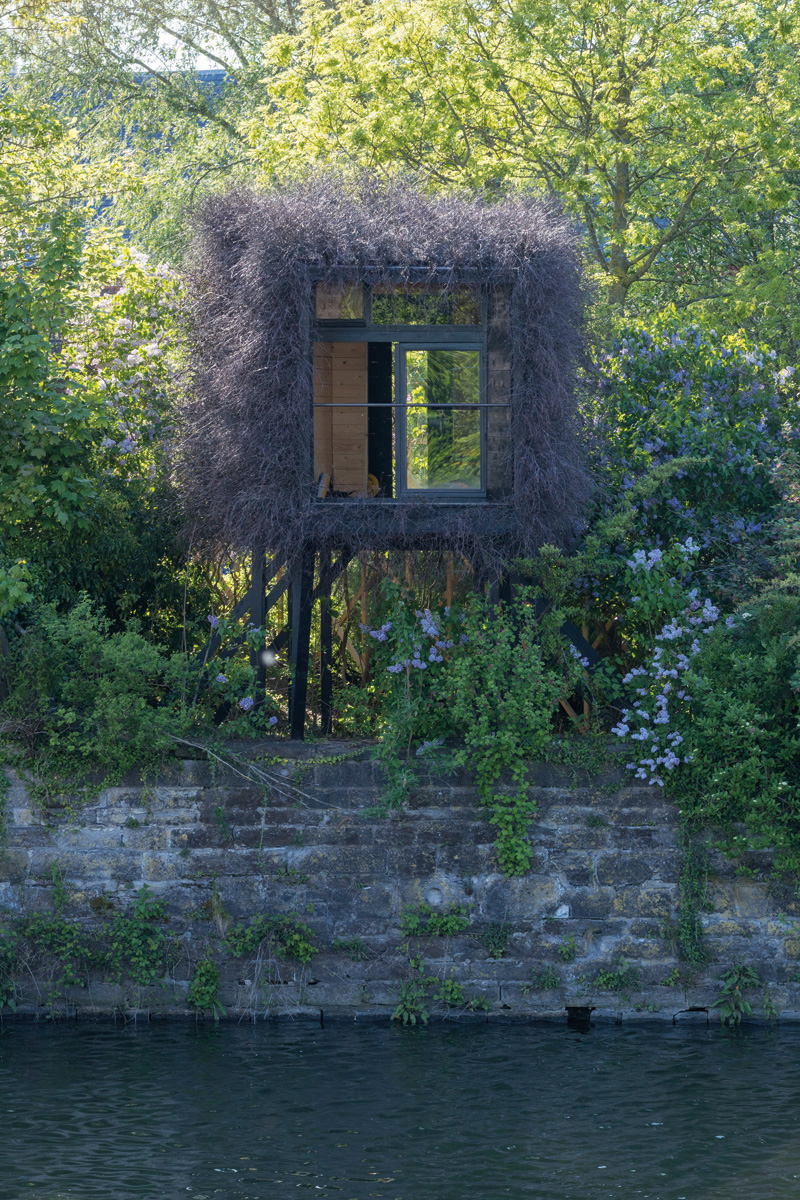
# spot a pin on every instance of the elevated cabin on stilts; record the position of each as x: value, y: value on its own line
x: 376, y: 368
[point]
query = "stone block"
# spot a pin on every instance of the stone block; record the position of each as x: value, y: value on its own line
x: 791, y: 948
x: 630, y: 837
x: 339, y: 860
x: 644, y: 902
x: 589, y: 903
x: 88, y: 866
x: 740, y: 899
x: 621, y: 868
x: 14, y: 865
x: 576, y: 868
x: 531, y: 897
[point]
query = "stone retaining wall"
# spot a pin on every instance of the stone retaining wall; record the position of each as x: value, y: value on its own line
x: 599, y: 901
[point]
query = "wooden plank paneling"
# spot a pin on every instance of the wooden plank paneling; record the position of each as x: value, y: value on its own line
x: 349, y: 425
x: 323, y: 438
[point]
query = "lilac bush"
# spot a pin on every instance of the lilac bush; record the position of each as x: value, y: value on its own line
x: 706, y: 417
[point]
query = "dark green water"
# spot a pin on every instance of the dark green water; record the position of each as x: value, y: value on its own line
x: 270, y: 1112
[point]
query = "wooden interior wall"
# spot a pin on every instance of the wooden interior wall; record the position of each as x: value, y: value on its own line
x: 340, y: 434
x: 323, y: 394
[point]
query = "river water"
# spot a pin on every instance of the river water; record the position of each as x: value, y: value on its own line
x: 291, y: 1112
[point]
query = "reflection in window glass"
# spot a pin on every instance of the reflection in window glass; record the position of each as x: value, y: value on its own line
x: 443, y: 440
x: 413, y: 305
x: 337, y: 303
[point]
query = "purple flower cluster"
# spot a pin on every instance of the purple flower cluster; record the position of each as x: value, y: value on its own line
x: 650, y: 717
x: 381, y: 634
x: 424, y: 747
x: 246, y: 703
x: 576, y: 654
x: 435, y: 652
x: 428, y: 624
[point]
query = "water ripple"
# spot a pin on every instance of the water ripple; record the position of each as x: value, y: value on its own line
x: 475, y: 1113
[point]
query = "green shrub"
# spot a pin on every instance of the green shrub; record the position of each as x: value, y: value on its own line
x: 489, y: 676
x: 743, y: 743
x: 138, y: 946
x: 284, y: 937
x: 71, y: 950
x: 505, y: 692
x: 85, y: 699
x: 674, y: 394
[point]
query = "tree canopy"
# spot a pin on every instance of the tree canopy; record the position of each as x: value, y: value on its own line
x: 669, y: 129
x: 171, y: 83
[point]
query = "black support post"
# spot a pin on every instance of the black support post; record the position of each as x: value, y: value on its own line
x: 325, y: 641
x: 302, y: 602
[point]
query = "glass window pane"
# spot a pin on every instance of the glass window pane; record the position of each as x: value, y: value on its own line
x: 413, y: 304
x: 337, y: 303
x: 443, y: 436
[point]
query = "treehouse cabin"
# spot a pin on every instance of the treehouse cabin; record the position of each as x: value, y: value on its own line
x: 375, y: 369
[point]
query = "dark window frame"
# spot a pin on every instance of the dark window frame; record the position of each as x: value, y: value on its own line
x: 401, y: 430
x: 419, y: 337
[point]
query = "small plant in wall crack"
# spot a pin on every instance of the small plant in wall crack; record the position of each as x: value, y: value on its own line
x: 496, y: 937
x: 420, y: 992
x: 352, y: 948
x: 286, y: 936
x: 425, y: 921
x: 412, y: 995
x: 59, y: 894
x: 731, y: 1002
x: 692, y: 893
x: 451, y: 993
x: 568, y: 950
x: 542, y: 979
x: 223, y: 825
x: 623, y: 979
x: 203, y: 991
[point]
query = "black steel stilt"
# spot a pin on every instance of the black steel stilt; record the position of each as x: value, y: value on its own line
x: 302, y: 602
x: 325, y: 642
